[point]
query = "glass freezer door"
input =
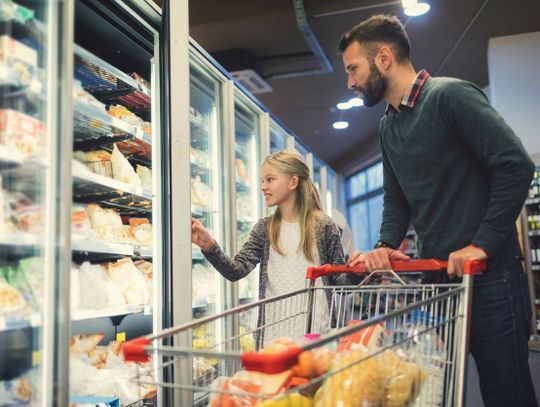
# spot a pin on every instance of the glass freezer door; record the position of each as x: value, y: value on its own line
x: 207, y: 200
x: 278, y: 138
x: 24, y: 201
x: 247, y: 181
x: 116, y: 204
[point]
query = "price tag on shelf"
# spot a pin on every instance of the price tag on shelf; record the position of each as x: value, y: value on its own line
x: 36, y: 358
x: 121, y: 337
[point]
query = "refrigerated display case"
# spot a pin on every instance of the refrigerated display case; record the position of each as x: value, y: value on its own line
x: 208, y: 191
x: 278, y: 138
x: 116, y: 228
x: 317, y: 180
x: 25, y: 145
x: 247, y: 181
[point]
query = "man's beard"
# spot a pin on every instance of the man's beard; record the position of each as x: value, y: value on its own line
x: 376, y: 86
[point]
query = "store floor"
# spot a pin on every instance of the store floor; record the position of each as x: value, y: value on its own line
x: 474, y: 399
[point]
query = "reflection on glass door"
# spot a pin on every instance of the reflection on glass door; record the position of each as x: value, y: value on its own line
x: 317, y: 165
x: 207, y: 203
x: 23, y: 200
x: 248, y: 202
x: 278, y: 138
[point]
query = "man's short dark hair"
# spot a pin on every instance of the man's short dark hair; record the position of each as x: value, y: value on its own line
x: 376, y: 31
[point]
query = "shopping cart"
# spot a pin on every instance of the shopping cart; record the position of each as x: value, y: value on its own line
x: 401, y: 344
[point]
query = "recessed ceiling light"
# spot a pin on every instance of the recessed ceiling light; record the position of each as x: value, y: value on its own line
x: 340, y: 125
x: 417, y: 9
x: 355, y: 102
x: 343, y: 106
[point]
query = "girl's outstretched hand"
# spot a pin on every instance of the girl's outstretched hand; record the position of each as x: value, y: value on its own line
x: 200, y: 236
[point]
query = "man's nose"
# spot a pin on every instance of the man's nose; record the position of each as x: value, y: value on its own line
x: 351, y: 84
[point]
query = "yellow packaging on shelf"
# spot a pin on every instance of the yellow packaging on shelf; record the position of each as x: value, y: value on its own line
x: 121, y: 337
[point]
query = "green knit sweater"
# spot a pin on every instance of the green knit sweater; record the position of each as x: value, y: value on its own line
x: 456, y: 170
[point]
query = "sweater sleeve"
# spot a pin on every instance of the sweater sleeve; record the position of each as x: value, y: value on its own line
x: 246, y: 259
x: 396, y: 214
x: 506, y: 164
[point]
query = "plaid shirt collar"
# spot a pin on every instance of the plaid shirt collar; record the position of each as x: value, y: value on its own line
x: 410, y: 96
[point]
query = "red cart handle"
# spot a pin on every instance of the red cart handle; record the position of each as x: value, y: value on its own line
x: 134, y: 350
x: 471, y: 267
x: 271, y: 363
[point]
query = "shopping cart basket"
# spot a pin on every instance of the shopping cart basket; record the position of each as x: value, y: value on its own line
x: 400, y: 344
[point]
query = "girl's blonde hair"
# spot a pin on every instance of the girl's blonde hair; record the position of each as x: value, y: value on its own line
x: 308, y: 201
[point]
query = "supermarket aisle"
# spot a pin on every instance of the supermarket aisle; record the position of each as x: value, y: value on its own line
x: 474, y: 399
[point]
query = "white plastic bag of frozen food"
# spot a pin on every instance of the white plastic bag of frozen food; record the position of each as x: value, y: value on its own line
x: 99, y: 291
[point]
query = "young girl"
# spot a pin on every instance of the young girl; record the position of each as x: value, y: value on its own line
x: 296, y: 236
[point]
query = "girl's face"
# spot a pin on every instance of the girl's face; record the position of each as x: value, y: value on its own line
x: 277, y: 186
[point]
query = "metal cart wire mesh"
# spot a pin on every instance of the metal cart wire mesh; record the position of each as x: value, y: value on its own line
x: 399, y: 345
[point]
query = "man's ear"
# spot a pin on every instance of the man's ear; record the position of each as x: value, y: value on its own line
x: 293, y: 183
x: 384, y: 58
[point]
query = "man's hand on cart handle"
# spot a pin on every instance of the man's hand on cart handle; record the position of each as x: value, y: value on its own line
x: 378, y: 259
x: 457, y: 259
x: 200, y: 236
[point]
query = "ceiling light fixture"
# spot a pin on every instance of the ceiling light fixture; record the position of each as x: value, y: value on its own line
x: 354, y: 102
x: 340, y: 125
x: 413, y: 8
x: 343, y: 106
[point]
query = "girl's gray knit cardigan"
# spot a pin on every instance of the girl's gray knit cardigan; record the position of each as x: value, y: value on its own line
x: 257, y: 250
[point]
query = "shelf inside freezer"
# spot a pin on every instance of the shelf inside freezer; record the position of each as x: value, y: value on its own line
x: 80, y: 315
x: 94, y: 245
x: 91, y: 187
x: 19, y: 244
x: 534, y: 233
x: 94, y: 127
x: 10, y: 158
x: 110, y: 85
x: 8, y: 323
x: 532, y: 201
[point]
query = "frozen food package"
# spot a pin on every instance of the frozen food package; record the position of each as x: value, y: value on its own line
x: 129, y: 281
x: 122, y: 169
x: 141, y: 80
x: 80, y: 221
x: 17, y: 392
x: 81, y: 95
x: 140, y: 230
x: 99, y: 162
x: 10, y: 10
x: 124, y: 114
x: 31, y: 279
x: 145, y: 174
x: 107, y: 224
x: 19, y: 57
x: 147, y: 270
x: 31, y: 219
x: 99, y: 291
x: 11, y: 300
x: 200, y: 193
x: 23, y: 133
x: 84, y: 343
